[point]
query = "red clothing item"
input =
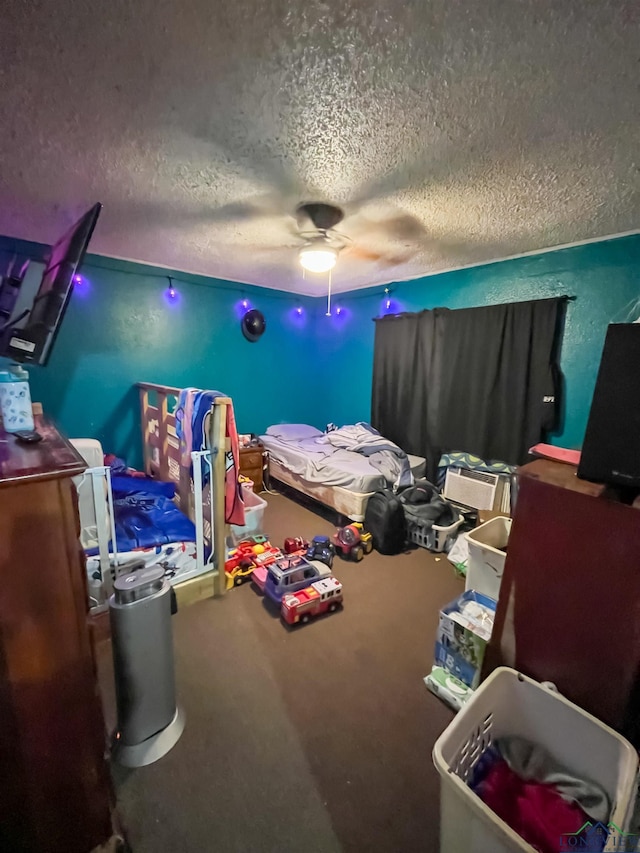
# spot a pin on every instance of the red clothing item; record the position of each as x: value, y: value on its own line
x: 534, y: 810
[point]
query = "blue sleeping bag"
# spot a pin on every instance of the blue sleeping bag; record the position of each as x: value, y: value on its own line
x: 145, y: 514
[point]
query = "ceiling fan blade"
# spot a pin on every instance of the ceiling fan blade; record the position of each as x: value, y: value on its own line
x: 259, y: 207
x: 388, y: 223
x: 389, y: 258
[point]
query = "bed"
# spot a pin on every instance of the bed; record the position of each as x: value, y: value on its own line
x: 173, y: 514
x: 201, y: 479
x: 340, y: 479
x: 136, y: 513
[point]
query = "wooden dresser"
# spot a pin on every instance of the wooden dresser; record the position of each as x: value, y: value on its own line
x: 569, y: 608
x: 56, y: 789
x: 251, y: 462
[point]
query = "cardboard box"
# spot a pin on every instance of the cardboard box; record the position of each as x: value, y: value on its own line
x: 463, y: 634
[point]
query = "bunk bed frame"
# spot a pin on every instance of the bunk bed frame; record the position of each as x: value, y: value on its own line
x: 162, y: 460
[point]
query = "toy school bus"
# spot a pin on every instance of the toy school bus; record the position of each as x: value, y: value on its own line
x: 323, y: 596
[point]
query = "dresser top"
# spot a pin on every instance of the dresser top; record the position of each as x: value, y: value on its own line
x: 53, y: 457
x: 565, y: 476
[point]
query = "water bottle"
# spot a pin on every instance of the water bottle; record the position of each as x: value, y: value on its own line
x: 15, y: 399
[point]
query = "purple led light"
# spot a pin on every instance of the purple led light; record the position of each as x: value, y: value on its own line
x: 171, y: 296
x: 299, y: 310
x: 81, y: 285
x: 338, y: 310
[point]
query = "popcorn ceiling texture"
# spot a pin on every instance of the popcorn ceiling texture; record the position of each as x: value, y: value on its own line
x: 495, y: 127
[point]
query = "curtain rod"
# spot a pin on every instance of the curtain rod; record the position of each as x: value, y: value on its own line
x: 565, y: 297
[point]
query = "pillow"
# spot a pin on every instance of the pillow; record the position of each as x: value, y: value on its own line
x: 293, y: 432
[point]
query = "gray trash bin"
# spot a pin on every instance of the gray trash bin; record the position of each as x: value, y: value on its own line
x: 149, y: 721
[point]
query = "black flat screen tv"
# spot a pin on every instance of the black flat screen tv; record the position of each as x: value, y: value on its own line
x: 611, y: 447
x: 30, y: 337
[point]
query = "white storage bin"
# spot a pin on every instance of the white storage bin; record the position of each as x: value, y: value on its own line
x: 486, y: 556
x: 254, y: 507
x: 435, y: 537
x: 509, y: 704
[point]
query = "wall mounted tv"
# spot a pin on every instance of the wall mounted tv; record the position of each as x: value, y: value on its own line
x: 35, y: 309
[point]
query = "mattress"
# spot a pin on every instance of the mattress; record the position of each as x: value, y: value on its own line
x: 324, y: 464
x: 350, y: 504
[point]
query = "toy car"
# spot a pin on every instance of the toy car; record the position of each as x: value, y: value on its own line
x: 321, y: 549
x: 259, y: 577
x: 323, y: 596
x: 267, y: 556
x: 295, y: 544
x: 239, y: 574
x: 242, y: 560
x: 352, y: 542
x: 291, y: 573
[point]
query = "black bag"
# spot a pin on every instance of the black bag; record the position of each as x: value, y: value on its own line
x: 422, y: 503
x: 384, y: 519
x: 423, y: 507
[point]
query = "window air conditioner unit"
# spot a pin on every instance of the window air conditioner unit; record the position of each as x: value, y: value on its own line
x: 478, y: 489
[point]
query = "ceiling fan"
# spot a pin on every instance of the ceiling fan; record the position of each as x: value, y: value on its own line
x: 323, y: 232
x: 323, y: 243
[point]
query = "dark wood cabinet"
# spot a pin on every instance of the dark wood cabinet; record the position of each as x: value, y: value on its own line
x: 251, y: 464
x: 569, y: 608
x: 56, y: 790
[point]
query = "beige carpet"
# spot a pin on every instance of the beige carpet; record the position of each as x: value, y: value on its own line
x: 316, y: 738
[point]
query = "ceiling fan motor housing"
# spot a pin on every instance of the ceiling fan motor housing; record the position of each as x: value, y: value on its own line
x: 323, y: 216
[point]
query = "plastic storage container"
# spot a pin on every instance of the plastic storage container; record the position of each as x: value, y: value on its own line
x: 487, y: 556
x: 254, y: 507
x: 15, y: 399
x: 509, y: 703
x: 434, y: 537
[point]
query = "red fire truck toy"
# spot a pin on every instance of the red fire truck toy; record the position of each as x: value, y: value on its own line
x: 323, y: 596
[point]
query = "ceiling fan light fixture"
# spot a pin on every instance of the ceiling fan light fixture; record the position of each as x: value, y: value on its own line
x: 318, y: 259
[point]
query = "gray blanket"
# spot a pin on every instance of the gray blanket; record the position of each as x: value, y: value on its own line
x: 383, y: 454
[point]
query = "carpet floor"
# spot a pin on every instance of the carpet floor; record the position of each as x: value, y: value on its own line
x: 315, y: 738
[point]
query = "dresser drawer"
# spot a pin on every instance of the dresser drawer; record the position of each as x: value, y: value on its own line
x: 251, y: 458
x: 251, y: 461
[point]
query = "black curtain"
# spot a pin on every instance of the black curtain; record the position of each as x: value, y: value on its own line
x: 481, y: 380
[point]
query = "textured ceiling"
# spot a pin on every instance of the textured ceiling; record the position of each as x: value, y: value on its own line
x: 478, y: 130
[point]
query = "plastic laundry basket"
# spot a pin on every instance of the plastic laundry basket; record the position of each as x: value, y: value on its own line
x: 509, y: 703
x: 435, y: 537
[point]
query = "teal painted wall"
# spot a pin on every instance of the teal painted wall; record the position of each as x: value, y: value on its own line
x: 604, y: 276
x: 119, y: 329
